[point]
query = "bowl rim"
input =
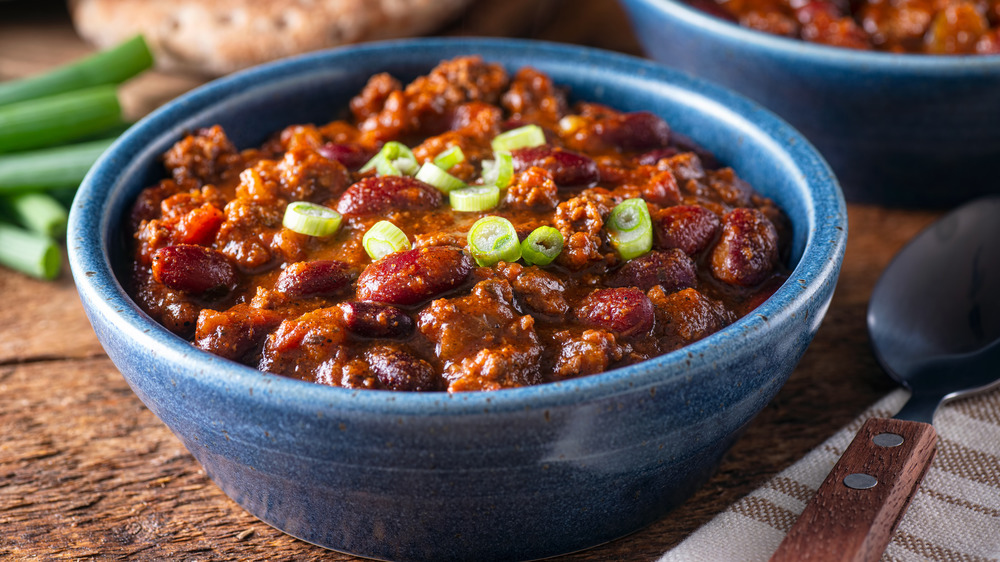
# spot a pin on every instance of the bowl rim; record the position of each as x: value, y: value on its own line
x: 875, y: 62
x: 100, y: 289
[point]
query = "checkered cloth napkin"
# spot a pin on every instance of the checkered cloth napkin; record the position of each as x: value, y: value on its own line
x: 955, y: 515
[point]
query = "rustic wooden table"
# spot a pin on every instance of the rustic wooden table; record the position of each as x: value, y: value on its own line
x: 87, y: 471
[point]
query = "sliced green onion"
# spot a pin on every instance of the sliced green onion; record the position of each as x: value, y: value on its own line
x: 493, y: 239
x: 405, y: 166
x: 29, y: 252
x: 57, y: 119
x: 474, y: 198
x: 384, y: 238
x: 500, y: 170
x: 38, y: 212
x: 311, y: 219
x: 631, y: 228
x: 449, y: 158
x: 542, y: 246
x: 395, y: 159
x: 112, y: 66
x: 432, y: 174
x: 49, y: 168
x: 521, y: 137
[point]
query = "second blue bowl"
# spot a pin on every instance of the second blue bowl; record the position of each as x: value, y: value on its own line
x: 901, y: 130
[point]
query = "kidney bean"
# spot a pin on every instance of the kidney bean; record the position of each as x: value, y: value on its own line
x: 352, y: 156
x: 194, y: 269
x: 399, y: 370
x: 413, y: 276
x: 672, y: 269
x: 376, y: 320
x: 747, y: 250
x: 641, y: 130
x: 383, y: 193
x: 625, y: 310
x: 691, y: 228
x: 568, y: 168
x: 318, y: 278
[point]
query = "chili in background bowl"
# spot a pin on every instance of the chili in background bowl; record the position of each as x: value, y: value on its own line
x: 903, y: 130
x: 513, y: 474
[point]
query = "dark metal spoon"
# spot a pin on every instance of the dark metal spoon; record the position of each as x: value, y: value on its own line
x: 934, y: 321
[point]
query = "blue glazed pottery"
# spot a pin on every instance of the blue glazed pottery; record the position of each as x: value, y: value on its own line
x: 901, y: 130
x: 515, y: 474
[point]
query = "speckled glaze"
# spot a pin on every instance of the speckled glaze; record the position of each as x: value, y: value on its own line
x: 516, y: 474
x: 902, y: 130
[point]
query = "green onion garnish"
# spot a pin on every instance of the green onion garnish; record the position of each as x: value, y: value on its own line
x: 49, y: 168
x: 500, y: 170
x: 449, y: 158
x: 542, y: 246
x: 395, y: 159
x: 432, y: 174
x: 311, y: 219
x: 521, y: 137
x: 493, y: 239
x: 38, y: 212
x: 59, y: 118
x: 29, y: 252
x: 631, y: 228
x: 384, y: 238
x: 474, y: 198
x: 112, y: 66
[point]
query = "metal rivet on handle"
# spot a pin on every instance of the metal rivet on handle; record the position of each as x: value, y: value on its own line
x: 860, y: 481
x: 888, y: 440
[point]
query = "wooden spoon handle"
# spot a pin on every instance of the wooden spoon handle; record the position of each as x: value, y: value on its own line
x: 851, y: 518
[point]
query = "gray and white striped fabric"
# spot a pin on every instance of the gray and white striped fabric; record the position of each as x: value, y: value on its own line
x: 955, y: 515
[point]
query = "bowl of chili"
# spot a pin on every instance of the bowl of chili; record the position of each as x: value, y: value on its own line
x: 515, y: 473
x: 899, y: 126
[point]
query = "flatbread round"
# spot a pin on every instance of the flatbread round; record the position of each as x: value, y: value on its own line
x: 219, y: 36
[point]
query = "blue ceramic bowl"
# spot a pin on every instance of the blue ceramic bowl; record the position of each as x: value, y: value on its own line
x: 902, y: 130
x: 515, y: 474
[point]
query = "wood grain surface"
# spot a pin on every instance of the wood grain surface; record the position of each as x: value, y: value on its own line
x: 87, y: 471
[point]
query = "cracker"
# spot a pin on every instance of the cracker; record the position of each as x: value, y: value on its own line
x: 215, y: 37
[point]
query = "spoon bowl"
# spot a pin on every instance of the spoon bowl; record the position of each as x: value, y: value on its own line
x: 936, y: 302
